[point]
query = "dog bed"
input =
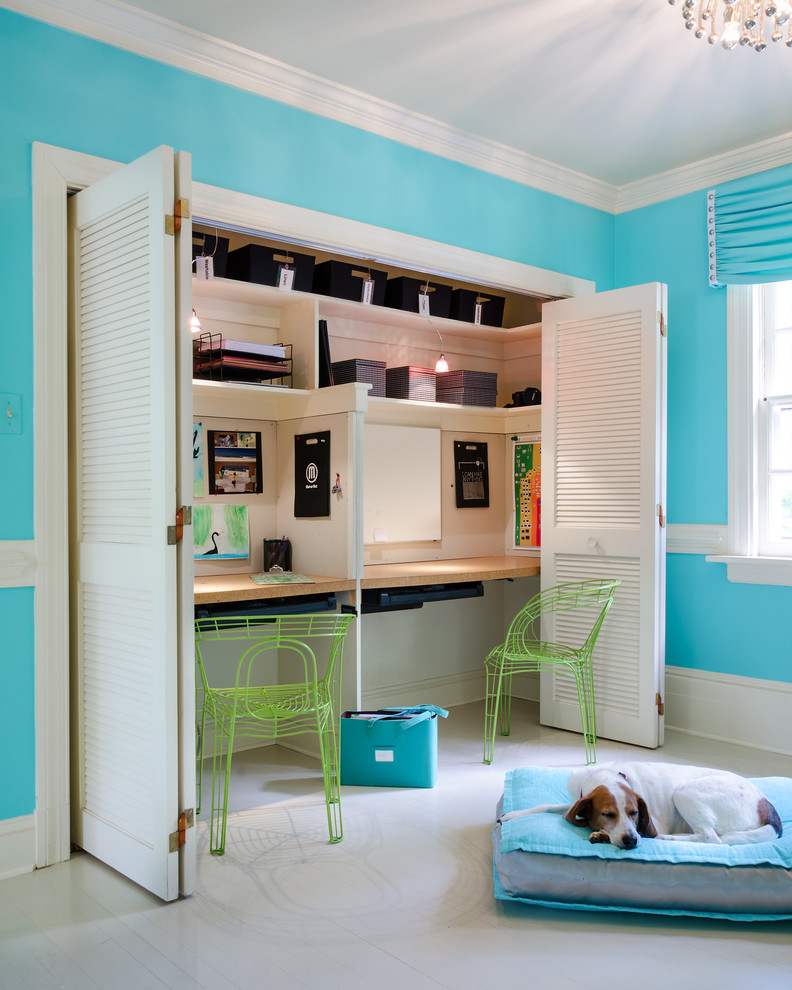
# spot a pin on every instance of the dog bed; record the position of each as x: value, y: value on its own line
x: 544, y: 860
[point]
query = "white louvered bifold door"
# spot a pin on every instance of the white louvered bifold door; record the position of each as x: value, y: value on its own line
x: 124, y: 612
x: 603, y: 499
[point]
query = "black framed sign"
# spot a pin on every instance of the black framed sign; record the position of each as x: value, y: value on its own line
x: 471, y: 474
x: 312, y: 474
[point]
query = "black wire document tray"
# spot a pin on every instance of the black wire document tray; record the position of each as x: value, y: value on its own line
x: 218, y: 358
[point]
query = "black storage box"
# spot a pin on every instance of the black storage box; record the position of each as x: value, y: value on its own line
x: 463, y: 307
x: 346, y: 281
x: 467, y: 388
x: 360, y: 370
x: 403, y: 292
x: 410, y: 383
x: 257, y: 263
x: 213, y: 246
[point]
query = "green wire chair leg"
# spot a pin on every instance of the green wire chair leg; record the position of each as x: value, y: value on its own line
x: 494, y: 682
x: 328, y: 753
x: 585, y: 689
x: 200, y: 729
x: 221, y: 777
x: 505, y: 703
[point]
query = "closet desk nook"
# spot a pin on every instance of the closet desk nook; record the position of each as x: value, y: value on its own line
x: 398, y: 649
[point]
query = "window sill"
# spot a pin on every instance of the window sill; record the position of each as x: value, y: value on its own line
x: 755, y: 570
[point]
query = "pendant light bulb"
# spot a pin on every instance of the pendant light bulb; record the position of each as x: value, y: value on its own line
x: 442, y: 364
x: 195, y: 323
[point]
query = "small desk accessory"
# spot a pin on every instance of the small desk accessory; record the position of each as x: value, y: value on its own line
x: 278, y: 555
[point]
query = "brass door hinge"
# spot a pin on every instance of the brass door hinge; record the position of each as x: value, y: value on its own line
x: 659, y: 703
x: 183, y: 518
x: 181, y: 210
x: 177, y: 839
x: 662, y: 324
x: 660, y: 517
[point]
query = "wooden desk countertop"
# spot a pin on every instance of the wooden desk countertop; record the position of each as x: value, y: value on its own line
x: 241, y: 587
x: 448, y: 571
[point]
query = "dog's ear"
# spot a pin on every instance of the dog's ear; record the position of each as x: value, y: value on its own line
x: 580, y: 812
x: 645, y: 826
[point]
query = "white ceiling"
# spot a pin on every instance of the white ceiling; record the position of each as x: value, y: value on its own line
x: 616, y: 90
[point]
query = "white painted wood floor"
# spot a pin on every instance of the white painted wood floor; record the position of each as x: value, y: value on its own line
x: 405, y: 901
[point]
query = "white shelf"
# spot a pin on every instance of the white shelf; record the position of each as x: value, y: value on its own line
x: 254, y: 294
x: 449, y: 417
x: 268, y: 402
x: 273, y: 403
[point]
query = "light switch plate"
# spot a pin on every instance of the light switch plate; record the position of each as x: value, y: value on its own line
x: 10, y: 412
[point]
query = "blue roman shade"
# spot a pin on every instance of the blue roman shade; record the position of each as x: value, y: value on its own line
x: 749, y: 230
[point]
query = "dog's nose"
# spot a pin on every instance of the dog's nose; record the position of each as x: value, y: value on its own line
x: 629, y: 841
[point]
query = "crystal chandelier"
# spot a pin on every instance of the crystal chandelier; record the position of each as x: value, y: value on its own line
x: 743, y: 21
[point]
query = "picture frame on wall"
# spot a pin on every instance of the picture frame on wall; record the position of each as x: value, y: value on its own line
x: 234, y: 462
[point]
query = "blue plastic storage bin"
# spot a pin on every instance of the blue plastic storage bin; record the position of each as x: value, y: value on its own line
x: 392, y: 747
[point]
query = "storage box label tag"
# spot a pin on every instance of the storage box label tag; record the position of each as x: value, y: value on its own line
x: 285, y: 277
x: 204, y: 267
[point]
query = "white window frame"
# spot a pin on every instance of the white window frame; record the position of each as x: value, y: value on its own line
x: 745, y: 564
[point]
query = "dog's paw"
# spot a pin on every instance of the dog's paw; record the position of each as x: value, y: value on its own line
x: 599, y: 837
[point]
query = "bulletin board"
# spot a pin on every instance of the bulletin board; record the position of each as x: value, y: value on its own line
x: 401, y: 484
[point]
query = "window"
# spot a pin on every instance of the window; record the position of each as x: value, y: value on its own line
x: 760, y: 434
x: 773, y: 330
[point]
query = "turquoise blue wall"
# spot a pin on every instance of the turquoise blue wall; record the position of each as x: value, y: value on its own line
x: 68, y: 91
x: 17, y: 793
x: 711, y: 624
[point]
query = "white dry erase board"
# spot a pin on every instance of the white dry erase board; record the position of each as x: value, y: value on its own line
x: 401, y: 484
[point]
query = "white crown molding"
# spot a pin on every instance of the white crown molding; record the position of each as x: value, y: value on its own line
x: 151, y: 36
x: 154, y: 37
x: 709, y: 172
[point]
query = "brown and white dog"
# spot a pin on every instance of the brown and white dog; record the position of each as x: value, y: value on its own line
x: 620, y: 803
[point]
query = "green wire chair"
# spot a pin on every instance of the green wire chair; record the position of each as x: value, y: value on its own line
x: 523, y: 650
x: 271, y: 712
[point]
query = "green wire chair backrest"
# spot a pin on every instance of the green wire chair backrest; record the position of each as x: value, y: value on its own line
x: 525, y: 627
x: 268, y: 632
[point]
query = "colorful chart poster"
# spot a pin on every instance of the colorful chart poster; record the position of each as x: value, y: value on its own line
x: 528, y: 492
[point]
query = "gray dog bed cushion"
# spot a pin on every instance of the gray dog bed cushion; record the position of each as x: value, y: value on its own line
x: 544, y: 860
